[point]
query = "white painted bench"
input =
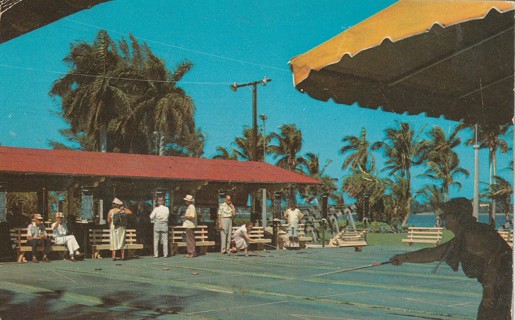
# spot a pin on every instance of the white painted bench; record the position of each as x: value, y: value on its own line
x: 19, y: 240
x: 284, y: 238
x: 99, y: 240
x: 178, y: 238
x: 257, y: 234
x: 424, y: 235
x: 349, y: 238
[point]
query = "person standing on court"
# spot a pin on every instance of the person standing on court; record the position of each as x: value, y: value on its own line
x: 159, y: 217
x: 226, y: 212
x: 482, y: 253
x: 293, y: 217
x: 189, y: 223
x: 117, y: 226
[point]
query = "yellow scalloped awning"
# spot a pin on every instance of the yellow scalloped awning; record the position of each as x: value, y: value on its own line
x: 401, y: 20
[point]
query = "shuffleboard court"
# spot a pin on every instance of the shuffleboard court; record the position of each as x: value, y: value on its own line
x: 275, y: 285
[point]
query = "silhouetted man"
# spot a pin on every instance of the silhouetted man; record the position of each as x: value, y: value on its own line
x: 483, y: 255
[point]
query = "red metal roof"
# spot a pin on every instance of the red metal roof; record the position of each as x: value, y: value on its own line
x: 81, y: 163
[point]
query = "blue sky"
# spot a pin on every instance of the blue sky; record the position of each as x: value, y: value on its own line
x: 228, y: 41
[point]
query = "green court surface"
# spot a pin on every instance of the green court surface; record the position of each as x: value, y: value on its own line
x: 275, y: 285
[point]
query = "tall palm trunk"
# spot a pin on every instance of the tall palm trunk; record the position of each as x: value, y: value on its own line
x: 408, y: 200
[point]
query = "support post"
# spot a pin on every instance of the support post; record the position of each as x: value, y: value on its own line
x: 263, y: 209
x: 43, y: 203
x: 3, y: 202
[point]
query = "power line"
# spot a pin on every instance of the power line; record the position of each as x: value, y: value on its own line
x: 183, y: 48
x: 116, y: 78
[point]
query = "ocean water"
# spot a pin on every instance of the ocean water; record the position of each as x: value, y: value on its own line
x: 428, y: 220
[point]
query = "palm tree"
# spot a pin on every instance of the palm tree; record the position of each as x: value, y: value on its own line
x: 90, y: 93
x: 224, y: 153
x: 364, y: 187
x: 126, y: 93
x: 289, y: 144
x: 442, y: 161
x: 360, y: 157
x: 243, y: 149
x: 404, y: 148
x: 161, y: 106
x: 490, y: 136
x: 244, y: 145
x: 433, y: 195
x: 287, y: 147
x: 187, y: 145
x: 311, y: 167
x: 501, y: 190
x: 445, y: 169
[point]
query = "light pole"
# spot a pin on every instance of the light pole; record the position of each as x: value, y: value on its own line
x: 254, y: 85
x: 263, y: 117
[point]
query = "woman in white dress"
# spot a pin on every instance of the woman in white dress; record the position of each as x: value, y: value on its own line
x: 117, y: 233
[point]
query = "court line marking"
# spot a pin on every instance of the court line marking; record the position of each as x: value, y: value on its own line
x: 308, y: 317
x: 61, y: 275
x: 439, y: 304
x: 238, y: 307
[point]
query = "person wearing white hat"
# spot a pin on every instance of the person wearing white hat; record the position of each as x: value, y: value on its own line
x: 159, y: 217
x: 189, y: 223
x: 61, y: 237
x: 37, y: 236
x: 117, y: 231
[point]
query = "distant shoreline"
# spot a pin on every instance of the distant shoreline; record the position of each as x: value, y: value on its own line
x: 432, y: 214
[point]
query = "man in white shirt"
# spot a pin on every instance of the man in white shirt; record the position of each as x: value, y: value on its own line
x: 159, y: 217
x: 36, y: 236
x: 226, y: 213
x: 293, y: 217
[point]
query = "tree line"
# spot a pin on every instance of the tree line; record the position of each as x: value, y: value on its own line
x: 404, y: 148
x: 120, y: 96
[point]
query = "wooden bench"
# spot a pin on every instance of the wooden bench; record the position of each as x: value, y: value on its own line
x: 424, y: 235
x: 284, y: 238
x: 507, y: 235
x: 257, y: 234
x: 349, y: 238
x: 19, y: 242
x: 99, y: 240
x: 178, y: 238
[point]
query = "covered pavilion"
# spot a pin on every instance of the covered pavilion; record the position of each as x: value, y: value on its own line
x: 137, y: 177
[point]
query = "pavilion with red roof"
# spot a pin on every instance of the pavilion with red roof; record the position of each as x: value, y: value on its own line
x: 135, y: 176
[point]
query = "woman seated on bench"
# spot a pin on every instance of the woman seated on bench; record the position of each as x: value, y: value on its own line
x: 61, y: 237
x: 242, y: 239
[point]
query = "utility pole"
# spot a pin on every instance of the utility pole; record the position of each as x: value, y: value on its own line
x: 254, y: 156
x: 254, y: 85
